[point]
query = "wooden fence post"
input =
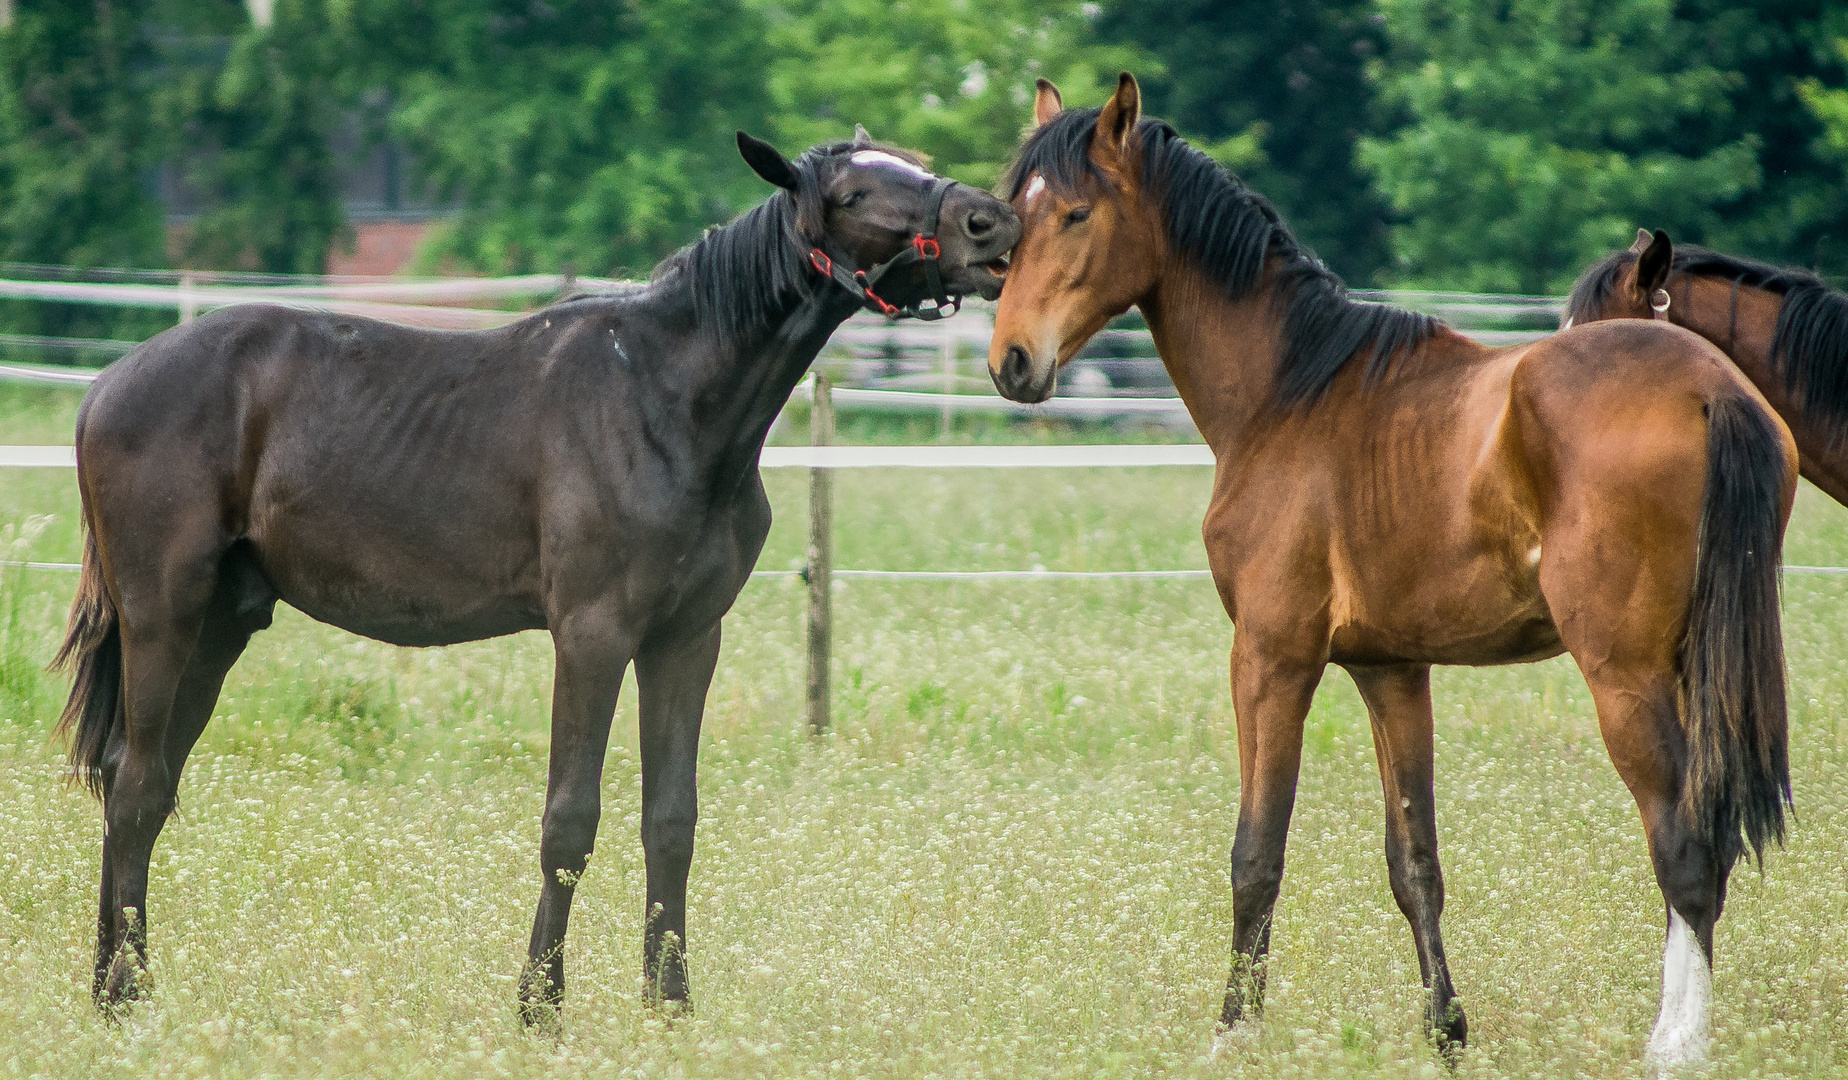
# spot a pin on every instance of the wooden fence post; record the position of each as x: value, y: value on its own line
x: 820, y: 559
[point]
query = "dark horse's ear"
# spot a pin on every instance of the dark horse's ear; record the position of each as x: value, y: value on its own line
x: 1117, y: 121
x: 1653, y: 264
x: 767, y: 162
x: 861, y: 140
x: 1046, y: 101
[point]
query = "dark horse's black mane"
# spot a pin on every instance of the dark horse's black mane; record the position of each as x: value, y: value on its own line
x: 1230, y: 232
x: 746, y: 275
x: 1810, y: 344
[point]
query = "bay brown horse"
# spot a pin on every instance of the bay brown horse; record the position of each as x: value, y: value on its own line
x: 1783, y: 327
x: 590, y: 470
x: 1390, y: 495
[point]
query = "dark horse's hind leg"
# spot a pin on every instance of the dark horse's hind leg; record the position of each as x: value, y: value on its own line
x: 1270, y: 698
x: 1399, y: 703
x: 591, y: 654
x: 174, y: 669
x: 673, y: 679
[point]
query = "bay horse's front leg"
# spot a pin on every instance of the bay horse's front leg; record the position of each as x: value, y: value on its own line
x: 673, y: 678
x: 591, y: 654
x: 1270, y: 698
x: 1398, y: 701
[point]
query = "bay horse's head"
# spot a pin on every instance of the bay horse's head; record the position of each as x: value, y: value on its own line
x: 1626, y: 285
x: 1090, y: 245
x: 880, y: 223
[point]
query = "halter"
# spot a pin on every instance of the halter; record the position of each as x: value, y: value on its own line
x: 923, y: 248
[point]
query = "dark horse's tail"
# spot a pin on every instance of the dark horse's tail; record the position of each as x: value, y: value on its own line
x: 92, y: 652
x: 1732, y: 657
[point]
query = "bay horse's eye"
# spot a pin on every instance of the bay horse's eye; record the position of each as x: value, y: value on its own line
x: 1078, y: 214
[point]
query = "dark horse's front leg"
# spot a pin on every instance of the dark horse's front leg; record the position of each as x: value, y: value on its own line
x: 591, y: 653
x: 674, y: 677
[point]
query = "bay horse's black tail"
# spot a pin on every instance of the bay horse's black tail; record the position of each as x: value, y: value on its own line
x: 92, y: 652
x: 1732, y: 656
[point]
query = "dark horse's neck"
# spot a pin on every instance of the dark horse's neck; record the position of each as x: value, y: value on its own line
x: 752, y: 317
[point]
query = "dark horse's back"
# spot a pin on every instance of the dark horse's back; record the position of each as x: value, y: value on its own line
x: 382, y: 478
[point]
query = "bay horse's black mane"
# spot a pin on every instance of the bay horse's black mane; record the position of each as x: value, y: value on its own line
x: 1230, y: 232
x: 746, y: 275
x: 1810, y: 344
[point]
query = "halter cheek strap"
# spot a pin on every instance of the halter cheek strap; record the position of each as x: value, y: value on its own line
x: 922, y: 249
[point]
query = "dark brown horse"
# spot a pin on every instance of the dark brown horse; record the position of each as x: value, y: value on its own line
x: 1391, y: 495
x: 590, y: 470
x: 1784, y: 328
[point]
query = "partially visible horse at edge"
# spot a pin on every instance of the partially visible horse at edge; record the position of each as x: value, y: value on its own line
x: 590, y: 470
x: 1783, y: 327
x: 1390, y: 495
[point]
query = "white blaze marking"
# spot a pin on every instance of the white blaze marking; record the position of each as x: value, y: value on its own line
x: 880, y: 157
x: 1037, y: 185
x: 1681, y: 1033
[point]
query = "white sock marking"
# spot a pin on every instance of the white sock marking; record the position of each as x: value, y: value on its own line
x: 1682, y: 1032
x: 880, y: 157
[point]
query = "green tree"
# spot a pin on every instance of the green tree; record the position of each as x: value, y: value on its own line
x: 951, y: 78
x: 75, y: 151
x: 1289, y: 77
x: 574, y: 132
x: 248, y: 113
x: 1541, y: 132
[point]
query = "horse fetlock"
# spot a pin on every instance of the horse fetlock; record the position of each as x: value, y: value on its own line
x: 1244, y: 991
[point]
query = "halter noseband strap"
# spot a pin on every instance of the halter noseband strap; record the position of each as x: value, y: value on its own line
x: 923, y: 248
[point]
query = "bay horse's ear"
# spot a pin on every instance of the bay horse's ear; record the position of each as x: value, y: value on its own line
x: 1046, y: 103
x: 766, y: 161
x: 861, y: 140
x: 1116, y: 123
x: 1653, y: 264
x: 1643, y: 236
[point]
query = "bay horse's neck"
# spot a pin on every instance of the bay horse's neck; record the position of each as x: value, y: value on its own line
x: 1221, y: 354
x: 1739, y: 319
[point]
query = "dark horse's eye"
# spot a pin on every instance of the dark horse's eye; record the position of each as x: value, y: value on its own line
x: 1078, y: 214
x: 852, y: 199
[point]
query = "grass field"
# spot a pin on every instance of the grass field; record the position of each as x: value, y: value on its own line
x: 1009, y: 860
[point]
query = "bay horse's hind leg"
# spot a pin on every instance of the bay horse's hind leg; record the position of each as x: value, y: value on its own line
x: 673, y: 679
x: 1399, y: 704
x: 241, y: 605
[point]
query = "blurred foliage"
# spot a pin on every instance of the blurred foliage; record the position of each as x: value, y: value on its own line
x: 74, y: 138
x: 248, y: 113
x: 1540, y: 134
x: 1410, y: 142
x: 574, y: 132
x: 1539, y: 137
x: 952, y: 78
x: 1279, y: 93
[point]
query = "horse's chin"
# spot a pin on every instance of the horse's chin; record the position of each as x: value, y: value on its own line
x: 979, y: 281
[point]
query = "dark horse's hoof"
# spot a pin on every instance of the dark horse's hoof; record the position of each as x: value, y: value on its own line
x: 1449, y: 1033
x: 671, y: 1008
x: 124, y: 985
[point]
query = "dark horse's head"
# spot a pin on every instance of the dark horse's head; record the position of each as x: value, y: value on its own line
x: 861, y: 204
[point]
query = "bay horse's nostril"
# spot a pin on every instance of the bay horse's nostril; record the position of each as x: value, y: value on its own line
x: 1014, y: 367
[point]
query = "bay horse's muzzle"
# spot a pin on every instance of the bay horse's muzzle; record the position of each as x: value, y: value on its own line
x: 1016, y: 379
